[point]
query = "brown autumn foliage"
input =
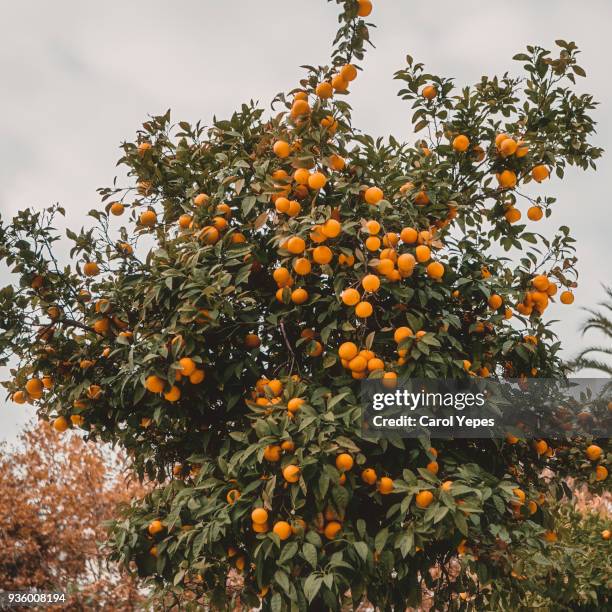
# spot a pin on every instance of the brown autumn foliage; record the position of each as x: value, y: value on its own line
x: 55, y: 494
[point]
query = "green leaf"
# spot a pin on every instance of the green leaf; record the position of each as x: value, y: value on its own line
x: 362, y: 550
x: 310, y: 554
x: 312, y: 585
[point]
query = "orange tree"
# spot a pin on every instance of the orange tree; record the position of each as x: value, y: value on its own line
x: 269, y: 264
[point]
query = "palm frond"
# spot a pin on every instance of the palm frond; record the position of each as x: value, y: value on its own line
x: 591, y: 364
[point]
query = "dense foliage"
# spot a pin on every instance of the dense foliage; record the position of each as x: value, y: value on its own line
x: 268, y: 265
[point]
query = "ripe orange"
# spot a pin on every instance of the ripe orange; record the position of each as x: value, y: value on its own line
x: 281, y: 276
x: 402, y: 333
x: 350, y: 297
x: 294, y: 404
x: 363, y: 310
x: 512, y: 214
x: 19, y: 397
x: 324, y: 90
x: 259, y: 516
x: 330, y: 124
x: 34, y: 387
x: 331, y: 228
x: 91, y: 268
x: 197, y: 377
x: 461, y: 143
x: 535, y: 213
x: 566, y: 297
x: 299, y: 108
x: 540, y: 173
x: 296, y: 245
x: 282, y: 529
x: 601, y: 472
x: 317, y: 180
x: 291, y: 473
x: 348, y: 72
x: 373, y: 195
x: 154, y: 384
x: 550, y: 536
x: 593, y: 452
x: 348, y: 350
x: 148, y: 218
x: 508, y: 147
x: 358, y: 364
x: 373, y: 227
x: 507, y: 179
x: 385, y: 267
x: 339, y: 83
x: 520, y: 495
x: 155, y: 527
x: 301, y: 176
x: 423, y: 499
x: 433, y: 467
x: 220, y: 223
x: 188, y: 366
x: 282, y: 205
x: 281, y: 149
x: 117, y: 208
x: 332, y: 529
x: 209, y: 234
x: 368, y: 476
x: 315, y: 351
x: 522, y: 149
x: 429, y: 92
x: 421, y: 198
x: 60, y: 424
x: 299, y: 296
x: 372, y: 243
x: 185, y: 221
x: 301, y: 266
x: 251, y: 341
x: 336, y: 162
x: 385, y: 486
x: 495, y: 301
x: 540, y: 282
x: 224, y: 209
x: 499, y: 139
x: 173, y: 395
x: 346, y: 260
x: 272, y: 453
x: 423, y: 253
x: 370, y: 283
x: 77, y: 420
x: 435, y: 270
x: 288, y: 446
x: 344, y: 462
x: 409, y: 235
x: 322, y: 255
x: 375, y: 364
x: 200, y: 199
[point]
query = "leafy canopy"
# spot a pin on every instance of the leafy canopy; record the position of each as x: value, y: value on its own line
x: 269, y: 263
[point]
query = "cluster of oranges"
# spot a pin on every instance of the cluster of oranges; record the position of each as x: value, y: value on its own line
x: 507, y: 149
x: 594, y: 453
x: 538, y: 298
x: 187, y: 368
x: 362, y: 363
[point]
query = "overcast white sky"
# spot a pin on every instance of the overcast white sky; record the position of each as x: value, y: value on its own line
x: 79, y: 77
